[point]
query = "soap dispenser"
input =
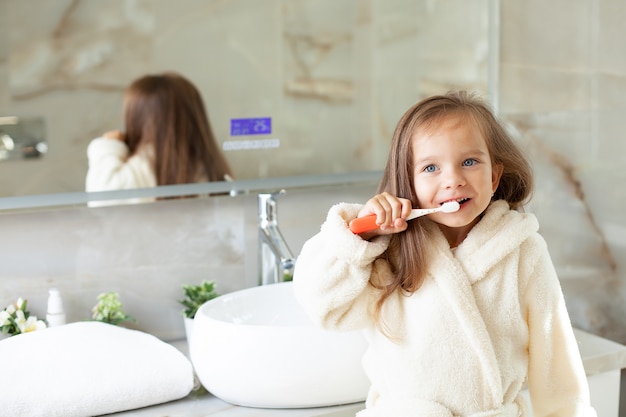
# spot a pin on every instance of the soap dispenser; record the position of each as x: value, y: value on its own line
x: 55, y: 315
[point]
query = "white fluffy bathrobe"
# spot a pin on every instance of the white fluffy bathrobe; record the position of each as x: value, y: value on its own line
x: 489, y: 317
x: 110, y: 168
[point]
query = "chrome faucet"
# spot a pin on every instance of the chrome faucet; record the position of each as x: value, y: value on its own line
x: 275, y: 258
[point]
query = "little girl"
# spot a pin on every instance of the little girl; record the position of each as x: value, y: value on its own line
x: 461, y: 310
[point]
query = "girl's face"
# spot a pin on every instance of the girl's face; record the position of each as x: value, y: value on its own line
x: 451, y: 162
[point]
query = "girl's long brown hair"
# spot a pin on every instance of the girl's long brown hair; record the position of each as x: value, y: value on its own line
x: 407, y: 251
x: 167, y: 112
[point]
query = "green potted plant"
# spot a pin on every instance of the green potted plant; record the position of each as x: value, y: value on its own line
x: 195, y: 296
x: 109, y: 309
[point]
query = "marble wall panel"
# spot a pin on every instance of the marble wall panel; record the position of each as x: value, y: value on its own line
x: 4, y: 62
x: 563, y: 92
x: 609, y: 29
x: 144, y: 252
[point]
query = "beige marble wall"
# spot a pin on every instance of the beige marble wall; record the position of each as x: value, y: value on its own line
x: 563, y: 89
x: 334, y: 76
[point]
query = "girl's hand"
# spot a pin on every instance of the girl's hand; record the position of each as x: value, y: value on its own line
x: 390, y: 212
x: 114, y: 134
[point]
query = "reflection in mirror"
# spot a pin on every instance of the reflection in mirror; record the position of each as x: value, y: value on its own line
x: 167, y: 139
x: 331, y: 78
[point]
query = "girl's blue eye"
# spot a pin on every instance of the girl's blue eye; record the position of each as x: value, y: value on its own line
x: 469, y: 162
x: 430, y: 168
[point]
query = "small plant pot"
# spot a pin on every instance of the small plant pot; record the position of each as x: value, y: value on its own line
x: 188, y: 329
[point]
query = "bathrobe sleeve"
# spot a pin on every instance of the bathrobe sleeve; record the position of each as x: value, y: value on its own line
x: 556, y: 377
x: 333, y: 270
x: 110, y: 168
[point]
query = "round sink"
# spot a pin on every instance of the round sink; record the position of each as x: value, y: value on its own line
x: 257, y: 348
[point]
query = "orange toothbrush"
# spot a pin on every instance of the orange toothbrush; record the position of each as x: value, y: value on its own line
x: 367, y: 223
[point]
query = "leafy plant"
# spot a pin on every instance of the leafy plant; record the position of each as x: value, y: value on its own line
x: 15, y: 319
x: 196, y: 295
x: 109, y: 309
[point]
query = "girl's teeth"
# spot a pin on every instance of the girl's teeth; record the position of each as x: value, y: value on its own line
x: 460, y: 201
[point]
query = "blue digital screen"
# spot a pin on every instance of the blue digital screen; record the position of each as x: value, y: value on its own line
x: 251, y: 126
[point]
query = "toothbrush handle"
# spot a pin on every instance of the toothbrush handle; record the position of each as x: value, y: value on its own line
x: 367, y: 223
x: 363, y: 224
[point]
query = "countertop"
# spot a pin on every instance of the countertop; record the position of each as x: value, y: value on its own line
x: 599, y: 355
x: 206, y: 405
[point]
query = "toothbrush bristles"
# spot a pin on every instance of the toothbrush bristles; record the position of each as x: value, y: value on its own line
x: 450, y: 207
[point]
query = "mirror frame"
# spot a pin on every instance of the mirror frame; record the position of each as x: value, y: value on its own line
x: 233, y: 188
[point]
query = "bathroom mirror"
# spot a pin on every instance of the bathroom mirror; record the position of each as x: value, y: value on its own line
x: 328, y: 79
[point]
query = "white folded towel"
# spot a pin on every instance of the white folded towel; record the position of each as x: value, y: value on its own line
x: 87, y: 369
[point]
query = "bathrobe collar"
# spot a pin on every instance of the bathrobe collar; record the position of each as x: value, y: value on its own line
x: 500, y: 232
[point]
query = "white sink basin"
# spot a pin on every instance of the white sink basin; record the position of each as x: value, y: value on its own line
x: 257, y: 348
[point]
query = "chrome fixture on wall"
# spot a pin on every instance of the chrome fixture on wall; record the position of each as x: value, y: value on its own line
x: 22, y: 137
x: 276, y: 262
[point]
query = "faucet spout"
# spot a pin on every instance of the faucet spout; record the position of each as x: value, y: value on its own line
x: 275, y: 258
